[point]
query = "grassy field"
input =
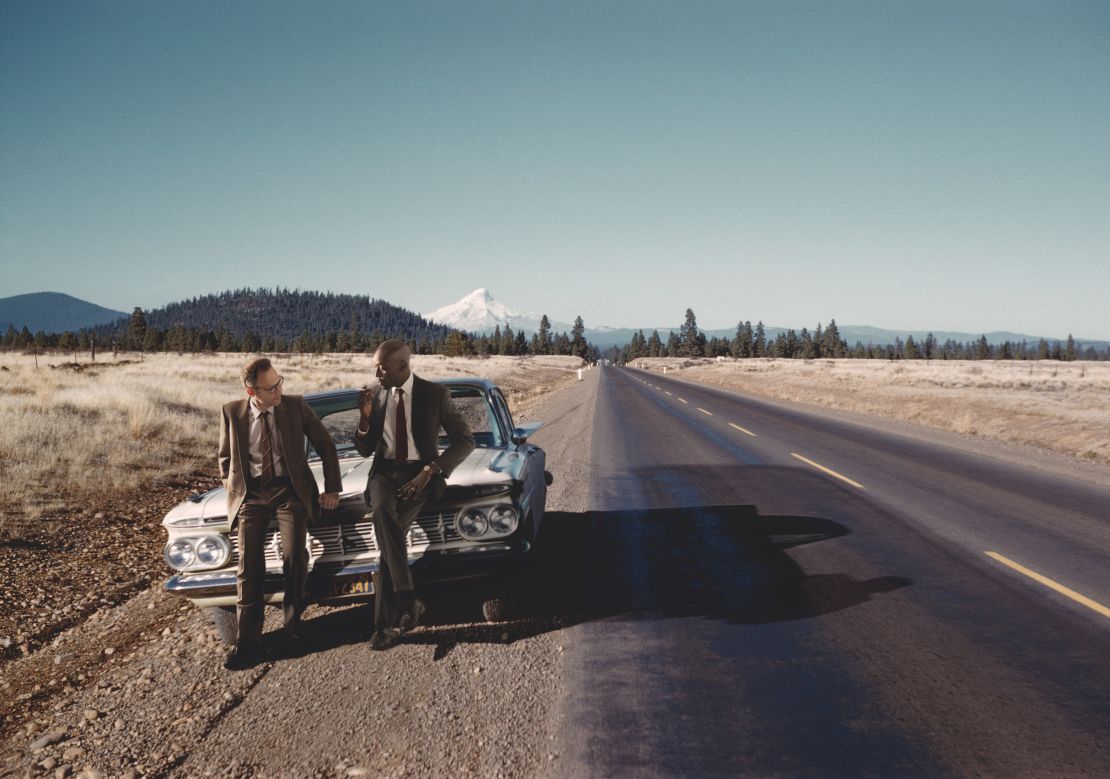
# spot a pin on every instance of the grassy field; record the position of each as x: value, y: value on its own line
x: 1059, y: 407
x: 73, y: 433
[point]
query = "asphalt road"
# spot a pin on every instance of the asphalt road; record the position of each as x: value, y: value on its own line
x: 914, y: 610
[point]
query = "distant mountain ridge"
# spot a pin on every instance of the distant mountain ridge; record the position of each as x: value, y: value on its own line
x: 285, y: 314
x: 281, y: 313
x: 52, y: 312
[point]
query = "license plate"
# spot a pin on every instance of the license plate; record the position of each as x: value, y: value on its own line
x: 361, y: 585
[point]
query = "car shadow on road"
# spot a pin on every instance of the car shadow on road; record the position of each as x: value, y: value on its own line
x: 719, y: 562
x: 725, y: 562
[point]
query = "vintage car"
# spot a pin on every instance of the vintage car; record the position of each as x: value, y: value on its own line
x: 485, y: 523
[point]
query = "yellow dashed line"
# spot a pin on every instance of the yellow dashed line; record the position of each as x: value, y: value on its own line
x: 707, y: 413
x: 742, y: 430
x: 829, y: 471
x: 1075, y: 596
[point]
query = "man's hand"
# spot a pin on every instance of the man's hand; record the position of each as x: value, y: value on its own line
x: 414, y: 487
x: 329, y: 500
x: 366, y: 405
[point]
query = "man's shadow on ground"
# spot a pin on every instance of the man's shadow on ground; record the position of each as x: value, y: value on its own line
x: 718, y: 562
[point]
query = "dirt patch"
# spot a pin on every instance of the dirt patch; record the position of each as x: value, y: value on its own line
x: 69, y: 563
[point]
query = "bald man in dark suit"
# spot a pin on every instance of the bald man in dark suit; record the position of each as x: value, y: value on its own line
x: 399, y: 425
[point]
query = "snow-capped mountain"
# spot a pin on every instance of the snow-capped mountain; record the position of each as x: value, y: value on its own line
x: 480, y: 312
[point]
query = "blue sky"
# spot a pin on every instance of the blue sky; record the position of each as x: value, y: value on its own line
x: 903, y: 165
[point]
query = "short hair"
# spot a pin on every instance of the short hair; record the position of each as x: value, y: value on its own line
x: 391, y: 346
x: 253, y: 368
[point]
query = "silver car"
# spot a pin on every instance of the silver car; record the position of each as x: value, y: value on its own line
x: 488, y: 518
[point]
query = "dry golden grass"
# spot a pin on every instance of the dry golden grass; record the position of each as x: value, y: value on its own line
x: 71, y: 436
x: 1060, y: 407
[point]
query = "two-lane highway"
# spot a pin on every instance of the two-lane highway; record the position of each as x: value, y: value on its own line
x: 774, y: 592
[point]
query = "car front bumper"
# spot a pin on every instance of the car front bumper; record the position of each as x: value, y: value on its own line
x: 330, y: 582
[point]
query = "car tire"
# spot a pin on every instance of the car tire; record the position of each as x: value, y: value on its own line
x: 226, y: 623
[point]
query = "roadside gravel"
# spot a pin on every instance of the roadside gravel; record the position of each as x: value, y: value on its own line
x: 140, y: 690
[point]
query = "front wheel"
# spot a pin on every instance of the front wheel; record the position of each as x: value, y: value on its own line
x: 227, y: 625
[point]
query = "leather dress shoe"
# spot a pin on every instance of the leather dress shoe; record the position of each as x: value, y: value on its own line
x: 245, y: 654
x: 411, y: 613
x: 295, y: 632
x: 384, y: 639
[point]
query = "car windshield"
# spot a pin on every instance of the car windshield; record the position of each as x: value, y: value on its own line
x: 469, y: 401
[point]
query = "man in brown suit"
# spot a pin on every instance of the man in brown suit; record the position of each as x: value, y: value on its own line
x: 266, y: 474
x: 399, y: 425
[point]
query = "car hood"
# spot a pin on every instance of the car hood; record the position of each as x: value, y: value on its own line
x: 482, y: 467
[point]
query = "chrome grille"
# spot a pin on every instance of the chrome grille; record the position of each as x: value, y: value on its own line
x: 356, y: 539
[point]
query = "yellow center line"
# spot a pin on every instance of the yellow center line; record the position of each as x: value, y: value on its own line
x: 743, y: 430
x: 685, y: 401
x: 1075, y: 596
x: 829, y: 471
x: 702, y: 410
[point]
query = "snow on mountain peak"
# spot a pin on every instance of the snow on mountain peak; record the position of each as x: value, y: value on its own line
x: 480, y: 312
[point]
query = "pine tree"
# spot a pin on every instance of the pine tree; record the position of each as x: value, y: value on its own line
x: 136, y: 330
x: 790, y: 344
x: 759, y: 341
x: 578, y: 345
x: 655, y: 345
x: 520, y: 344
x: 833, y: 346
x: 1069, y: 349
x: 689, y: 346
x: 909, y: 349
x: 457, y: 344
x: 153, y: 341
x: 982, y: 348
x: 930, y: 346
x: 806, y: 349
x: 543, y: 337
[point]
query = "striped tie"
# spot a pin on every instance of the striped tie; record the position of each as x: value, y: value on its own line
x: 267, y: 451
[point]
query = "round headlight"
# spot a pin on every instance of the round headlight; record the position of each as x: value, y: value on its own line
x: 180, y: 554
x: 473, y: 524
x: 503, y: 520
x: 213, y: 551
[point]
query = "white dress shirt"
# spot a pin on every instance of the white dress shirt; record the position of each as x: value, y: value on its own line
x: 389, y: 431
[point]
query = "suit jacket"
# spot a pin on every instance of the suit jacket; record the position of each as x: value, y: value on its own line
x: 429, y: 410
x: 293, y: 420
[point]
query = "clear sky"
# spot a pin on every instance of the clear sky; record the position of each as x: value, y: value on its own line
x: 904, y: 165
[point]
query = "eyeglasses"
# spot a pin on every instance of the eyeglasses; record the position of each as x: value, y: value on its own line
x: 275, y: 388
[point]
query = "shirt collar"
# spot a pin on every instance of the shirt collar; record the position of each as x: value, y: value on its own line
x: 407, y: 386
x: 256, y: 412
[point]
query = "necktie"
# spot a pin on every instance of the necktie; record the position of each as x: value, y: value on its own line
x: 267, y: 450
x: 401, y: 439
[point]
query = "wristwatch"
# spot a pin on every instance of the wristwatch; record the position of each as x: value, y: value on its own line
x: 432, y: 469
